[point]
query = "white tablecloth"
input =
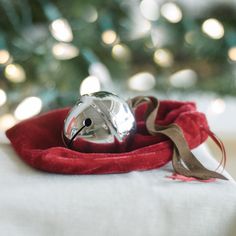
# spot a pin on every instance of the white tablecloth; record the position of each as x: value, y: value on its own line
x: 138, y: 203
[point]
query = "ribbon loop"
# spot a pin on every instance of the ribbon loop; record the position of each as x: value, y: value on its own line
x: 183, y: 160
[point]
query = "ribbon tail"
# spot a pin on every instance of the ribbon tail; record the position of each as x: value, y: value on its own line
x: 199, y: 173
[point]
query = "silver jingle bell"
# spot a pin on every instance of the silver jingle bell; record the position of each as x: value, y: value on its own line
x: 100, y: 118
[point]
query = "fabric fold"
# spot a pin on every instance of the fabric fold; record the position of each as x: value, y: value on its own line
x: 38, y: 142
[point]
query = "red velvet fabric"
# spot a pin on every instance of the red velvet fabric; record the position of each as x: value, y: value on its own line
x: 38, y: 142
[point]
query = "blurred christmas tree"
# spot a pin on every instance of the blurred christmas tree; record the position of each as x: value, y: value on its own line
x: 53, y: 50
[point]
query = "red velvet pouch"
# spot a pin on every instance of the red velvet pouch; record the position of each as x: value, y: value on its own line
x: 38, y: 142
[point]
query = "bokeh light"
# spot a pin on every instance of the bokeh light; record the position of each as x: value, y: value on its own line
x: 90, y: 14
x: 3, y: 97
x: 232, y: 54
x: 7, y: 121
x: 100, y: 71
x: 213, y: 28
x: 189, y: 37
x: 29, y: 107
x: 163, y: 57
x: 142, y: 81
x: 109, y: 37
x: 171, y: 12
x: 184, y: 78
x: 64, y: 51
x: 149, y: 9
x: 15, y: 73
x: 61, y: 30
x: 217, y: 106
x: 121, y: 52
x: 4, y: 56
x: 90, y: 84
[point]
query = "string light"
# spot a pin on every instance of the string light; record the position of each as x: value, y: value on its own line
x: 15, y: 73
x: 29, y: 107
x: 213, y: 28
x: 121, y: 52
x: 64, y: 51
x: 61, y: 30
x: 7, y: 121
x: 3, y: 97
x: 217, y: 106
x: 183, y: 78
x: 4, y: 56
x: 232, y: 54
x: 163, y: 57
x: 91, y: 84
x: 142, y: 81
x: 109, y: 37
x: 149, y: 9
x: 171, y: 12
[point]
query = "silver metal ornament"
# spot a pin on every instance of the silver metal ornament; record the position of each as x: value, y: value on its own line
x: 100, y: 118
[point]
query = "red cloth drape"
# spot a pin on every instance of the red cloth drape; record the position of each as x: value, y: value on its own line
x: 38, y: 142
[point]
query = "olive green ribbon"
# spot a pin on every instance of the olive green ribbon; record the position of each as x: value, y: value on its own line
x: 183, y: 160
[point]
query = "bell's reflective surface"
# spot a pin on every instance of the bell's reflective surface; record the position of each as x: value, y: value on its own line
x: 100, y: 117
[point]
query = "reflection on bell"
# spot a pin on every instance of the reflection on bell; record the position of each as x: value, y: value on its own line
x: 100, y: 118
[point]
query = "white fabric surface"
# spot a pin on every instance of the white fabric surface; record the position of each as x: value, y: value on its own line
x: 138, y: 203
